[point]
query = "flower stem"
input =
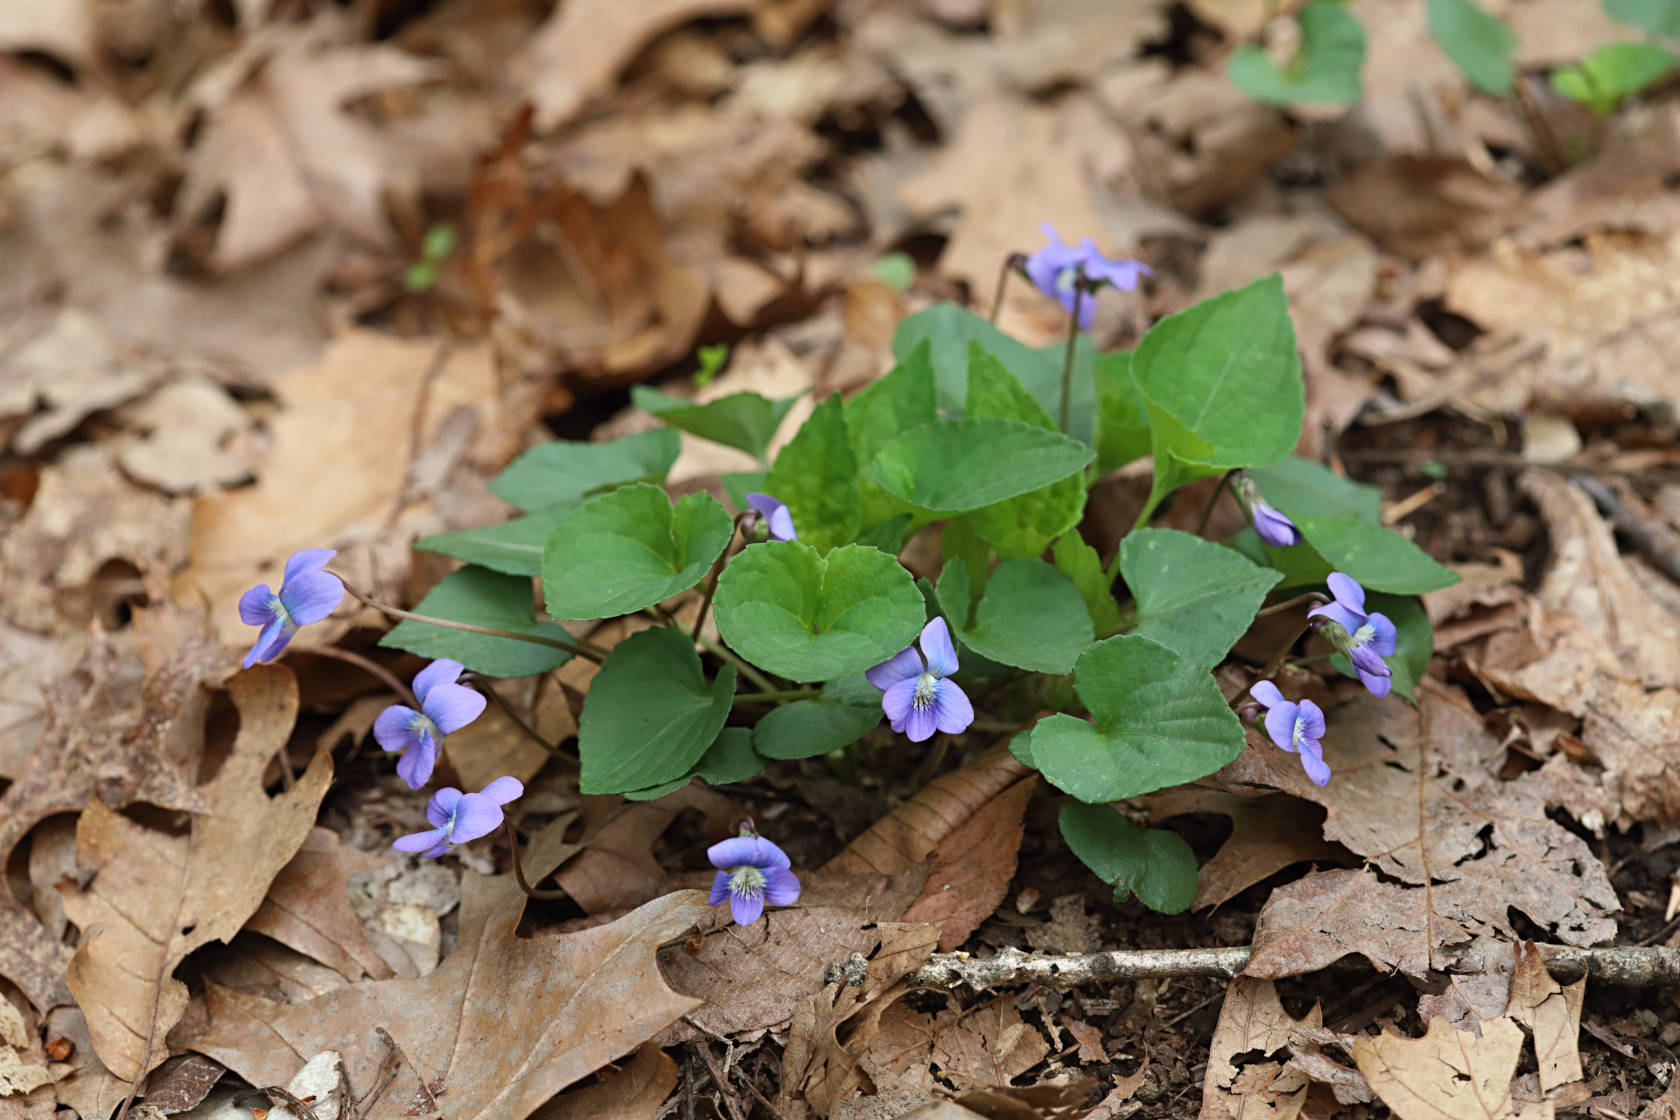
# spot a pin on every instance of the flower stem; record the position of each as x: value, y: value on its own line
x: 930, y: 765
x: 776, y: 696
x: 1275, y: 608
x: 483, y: 685
x: 1011, y: 262
x: 712, y: 576
x: 717, y: 650
x: 578, y: 646
x: 1072, y: 346
x: 519, y: 870
x: 371, y: 667
x: 1283, y: 651
x: 1213, y: 500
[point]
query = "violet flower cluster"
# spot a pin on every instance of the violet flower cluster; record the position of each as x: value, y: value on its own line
x: 1060, y: 271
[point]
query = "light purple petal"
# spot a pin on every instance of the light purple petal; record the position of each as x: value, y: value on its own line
x: 394, y: 730
x: 896, y: 702
x: 425, y: 843
x: 1385, y: 639
x: 307, y: 560
x: 937, y: 648
x: 1087, y: 305
x: 312, y: 596
x: 417, y: 762
x: 442, y: 806
x: 475, y: 816
x: 441, y: 671
x: 453, y: 706
x: 952, y: 713
x: 920, y: 724
x: 745, y: 908
x: 1267, y: 693
x: 781, y: 525
x: 1044, y: 267
x: 1312, y: 720
x: 904, y: 665
x: 1347, y: 591
x: 1280, y: 725
x: 274, y: 638
x: 720, y: 889
x: 503, y: 790
x: 1312, y: 761
x: 1275, y: 528
x: 1378, y: 686
x: 781, y: 888
x: 765, y: 505
x: 1123, y: 274
x: 256, y: 606
x: 747, y: 851
x: 1347, y: 619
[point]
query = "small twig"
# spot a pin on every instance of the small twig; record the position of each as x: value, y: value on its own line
x: 1011, y: 262
x: 1410, y: 504
x: 1213, y: 500
x: 581, y: 647
x: 519, y: 867
x: 425, y: 1090
x: 371, y: 667
x: 1638, y: 967
x: 486, y: 687
x: 719, y: 1079
x: 1659, y: 543
x: 760, y: 1097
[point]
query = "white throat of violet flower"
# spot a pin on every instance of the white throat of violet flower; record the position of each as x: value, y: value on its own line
x: 277, y: 609
x: 1364, y: 634
x: 746, y: 881
x: 1299, y: 732
x: 927, y: 686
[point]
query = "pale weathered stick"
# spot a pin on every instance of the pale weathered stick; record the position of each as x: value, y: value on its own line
x: 1635, y: 967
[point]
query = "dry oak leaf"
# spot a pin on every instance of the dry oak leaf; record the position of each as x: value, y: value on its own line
x: 287, y: 155
x: 23, y: 1063
x: 503, y: 1024
x: 154, y: 897
x: 1252, y: 1019
x: 90, y: 748
x: 1552, y: 1013
x: 1448, y: 1072
x: 1475, y: 846
x: 1268, y: 834
x: 633, y: 1092
x: 308, y: 907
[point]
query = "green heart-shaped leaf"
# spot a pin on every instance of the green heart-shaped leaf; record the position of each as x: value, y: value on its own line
x: 515, y: 546
x: 1030, y: 616
x: 745, y: 421
x: 1152, y: 863
x: 1193, y: 596
x: 959, y: 465
x: 1025, y: 525
x: 564, y: 472
x: 816, y: 475
x: 847, y: 710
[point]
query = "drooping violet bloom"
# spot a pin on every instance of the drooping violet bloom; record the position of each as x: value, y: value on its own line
x: 775, y: 516
x: 458, y: 817
x: 918, y: 699
x: 1057, y: 269
x: 1296, y: 727
x: 1271, y: 524
x: 752, y: 871
x: 445, y: 707
x: 1365, y: 638
x: 307, y: 594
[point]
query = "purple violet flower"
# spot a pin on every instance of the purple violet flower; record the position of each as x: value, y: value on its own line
x: 1295, y: 727
x: 1055, y: 269
x: 445, y: 707
x: 1271, y: 524
x: 1365, y: 638
x: 916, y: 699
x: 307, y: 594
x: 775, y: 516
x: 458, y: 817
x: 753, y: 871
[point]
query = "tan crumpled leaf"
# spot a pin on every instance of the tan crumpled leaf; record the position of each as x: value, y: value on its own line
x: 1476, y: 846
x: 308, y: 907
x: 1552, y: 1013
x: 23, y: 1064
x: 287, y: 155
x: 156, y: 897
x: 570, y: 1003
x: 1447, y: 1072
x: 69, y: 370
x: 632, y: 1092
x: 1252, y: 1019
x: 182, y: 442
x: 1268, y: 834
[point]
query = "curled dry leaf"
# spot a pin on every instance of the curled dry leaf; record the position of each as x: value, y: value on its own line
x: 631, y: 1092
x: 308, y: 906
x: 156, y: 897
x: 23, y: 1062
x: 1251, y: 1019
x: 1268, y: 834
x: 573, y: 1002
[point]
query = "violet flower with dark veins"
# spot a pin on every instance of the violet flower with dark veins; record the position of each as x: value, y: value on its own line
x: 1296, y: 727
x: 1057, y: 269
x: 445, y: 707
x: 917, y: 698
x: 458, y: 817
x: 752, y: 871
x: 1366, y: 639
x: 307, y: 594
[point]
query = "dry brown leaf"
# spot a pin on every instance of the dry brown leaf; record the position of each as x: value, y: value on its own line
x: 56, y: 27
x: 617, y: 869
x: 182, y: 1082
x: 157, y: 897
x: 1476, y: 846
x: 184, y: 432
x: 1448, y: 1072
x: 23, y: 1062
x: 1089, y: 1040
x: 633, y: 1092
x: 287, y: 156
x: 493, y: 744
x: 1425, y: 206
x: 1552, y: 1013
x: 1252, y: 1019
x: 308, y: 906
x: 68, y: 371
x: 573, y: 1003
x: 1268, y: 834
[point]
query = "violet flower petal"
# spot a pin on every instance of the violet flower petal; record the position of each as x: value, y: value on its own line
x: 394, y: 729
x: 441, y: 671
x: 1385, y: 639
x: 904, y: 665
x: 746, y: 908
x: 1280, y: 725
x: 781, y: 887
x: 1347, y: 591
x: 952, y: 712
x: 256, y: 606
x: 1267, y: 693
x: 453, y: 706
x: 897, y: 701
x: 503, y: 790
x: 311, y: 596
x: 919, y: 724
x: 441, y: 808
x: 475, y: 816
x: 720, y: 889
x: 424, y: 843
x: 937, y: 648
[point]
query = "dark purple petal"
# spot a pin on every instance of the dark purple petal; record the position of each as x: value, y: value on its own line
x: 720, y: 889
x: 417, y: 762
x: 1347, y: 591
x: 394, y: 730
x: 311, y: 596
x: 937, y: 648
x: 441, y: 671
x: 425, y: 843
x: 1312, y: 761
x: 1347, y: 619
x: 1275, y: 528
x: 1267, y: 693
x: 475, y: 816
x: 441, y: 807
x: 904, y: 665
x: 1385, y: 639
x: 274, y: 638
x: 896, y: 702
x: 1045, y: 267
x: 952, y: 713
x: 503, y: 790
x: 1368, y: 661
x: 781, y: 888
x: 257, y: 606
x: 453, y: 706
x: 1311, y: 717
x: 307, y: 560
x: 1280, y: 724
x: 919, y: 724
x: 745, y: 908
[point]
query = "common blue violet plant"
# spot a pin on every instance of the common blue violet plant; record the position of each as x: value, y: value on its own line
x: 1271, y: 524
x: 306, y: 595
x: 777, y: 520
x: 458, y: 817
x: 445, y: 707
x: 752, y: 871
x: 1058, y: 269
x: 1296, y: 727
x: 917, y: 698
x: 1367, y: 639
